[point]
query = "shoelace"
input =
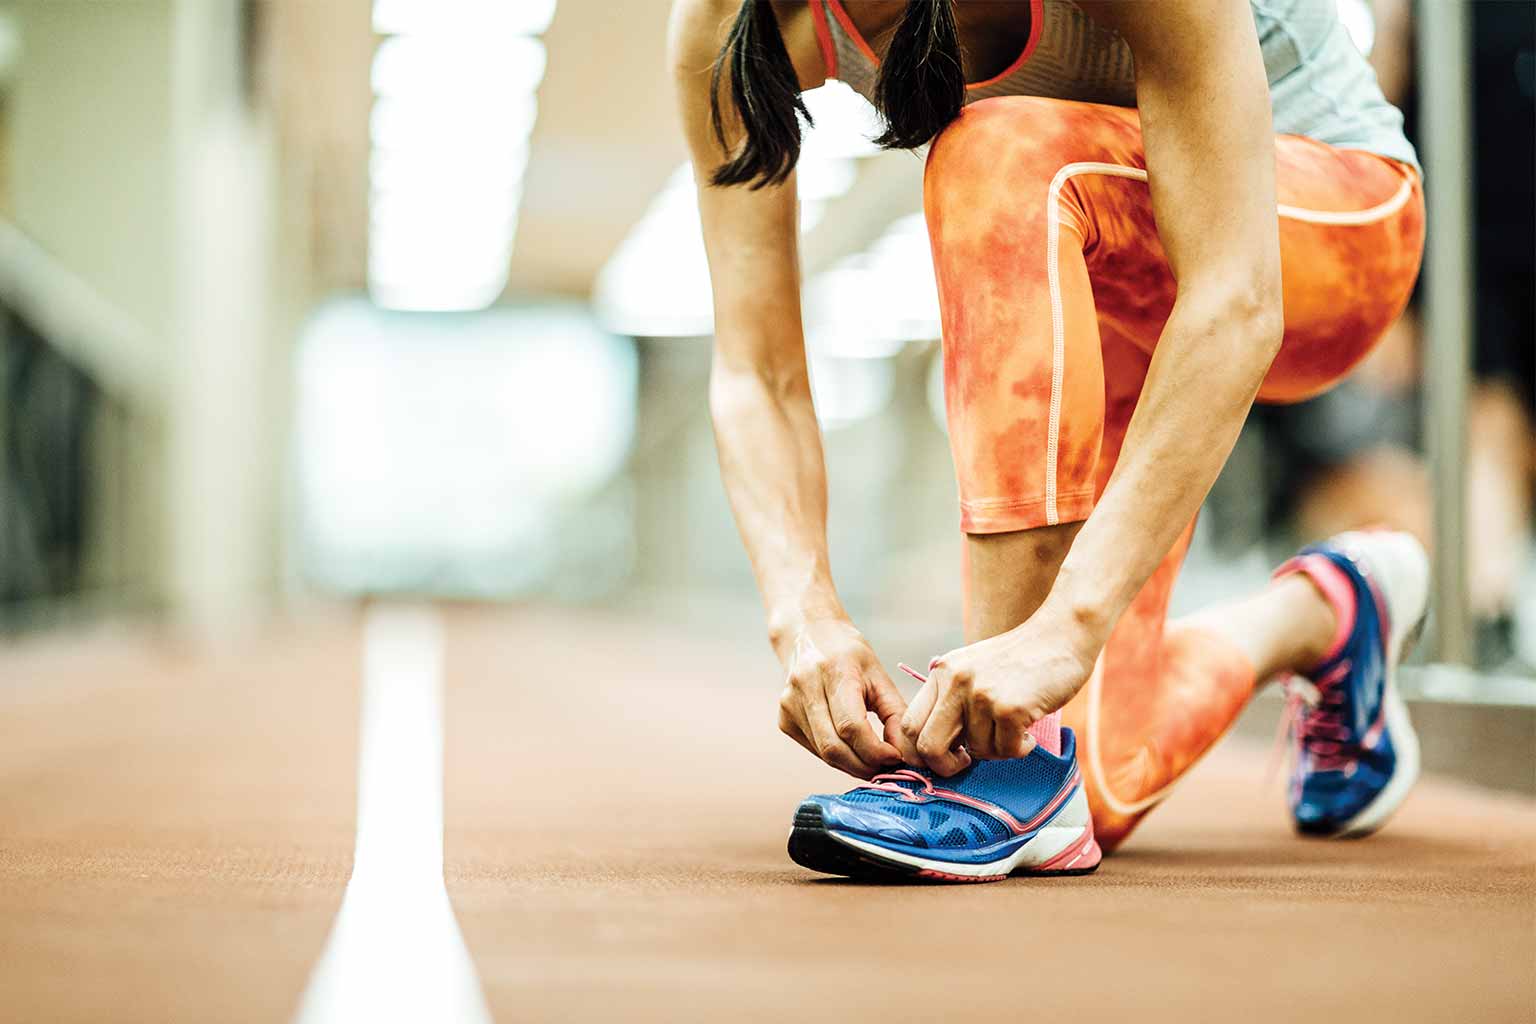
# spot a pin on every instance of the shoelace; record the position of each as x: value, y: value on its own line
x: 1314, y: 717
x: 891, y: 782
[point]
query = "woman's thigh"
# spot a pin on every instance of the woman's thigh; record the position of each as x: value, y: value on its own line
x: 1351, y: 239
x: 1024, y: 381
x: 1047, y: 253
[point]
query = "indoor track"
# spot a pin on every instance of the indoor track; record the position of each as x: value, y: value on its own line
x: 177, y: 829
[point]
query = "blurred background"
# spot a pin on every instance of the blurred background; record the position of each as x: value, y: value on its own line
x: 308, y: 300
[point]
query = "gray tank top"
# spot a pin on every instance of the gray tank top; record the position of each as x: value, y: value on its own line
x: 1320, y: 85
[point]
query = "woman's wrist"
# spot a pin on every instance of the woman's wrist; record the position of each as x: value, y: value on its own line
x: 1102, y: 574
x: 1082, y: 617
x: 786, y: 621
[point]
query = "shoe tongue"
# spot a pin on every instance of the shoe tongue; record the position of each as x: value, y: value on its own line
x: 956, y: 780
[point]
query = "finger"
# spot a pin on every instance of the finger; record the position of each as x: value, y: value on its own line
x: 829, y: 746
x: 979, y: 735
x: 789, y: 723
x: 896, y: 736
x: 889, y: 707
x: 850, y: 719
x: 936, y: 743
x: 1011, y: 736
x: 883, y: 697
x: 916, y: 715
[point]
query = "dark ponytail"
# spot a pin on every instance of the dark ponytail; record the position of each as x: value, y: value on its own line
x: 766, y: 94
x: 922, y: 83
x: 920, y: 90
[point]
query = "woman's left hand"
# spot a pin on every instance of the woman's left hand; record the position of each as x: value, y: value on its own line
x: 979, y: 700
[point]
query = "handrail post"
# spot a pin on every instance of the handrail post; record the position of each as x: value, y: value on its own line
x: 1444, y: 58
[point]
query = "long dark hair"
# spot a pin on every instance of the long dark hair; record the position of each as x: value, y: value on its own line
x: 920, y: 90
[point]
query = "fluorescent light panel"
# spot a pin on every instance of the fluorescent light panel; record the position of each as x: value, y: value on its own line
x: 454, y: 86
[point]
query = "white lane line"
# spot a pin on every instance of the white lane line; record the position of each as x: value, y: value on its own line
x: 395, y: 951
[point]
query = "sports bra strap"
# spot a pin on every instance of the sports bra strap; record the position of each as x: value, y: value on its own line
x: 824, y: 37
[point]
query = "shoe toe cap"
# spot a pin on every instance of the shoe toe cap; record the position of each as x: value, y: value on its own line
x: 862, y: 819
x: 1329, y: 803
x: 1316, y: 819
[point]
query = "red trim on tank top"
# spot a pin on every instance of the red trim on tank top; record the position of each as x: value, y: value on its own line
x: 853, y: 32
x: 1036, y: 25
x: 824, y: 37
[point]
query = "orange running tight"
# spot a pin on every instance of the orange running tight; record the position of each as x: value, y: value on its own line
x: 1053, y: 289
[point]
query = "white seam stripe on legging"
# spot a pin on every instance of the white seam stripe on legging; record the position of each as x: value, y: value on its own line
x: 1058, y: 324
x: 1053, y: 273
x: 1348, y: 218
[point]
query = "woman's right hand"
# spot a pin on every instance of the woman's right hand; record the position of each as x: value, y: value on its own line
x: 834, y: 681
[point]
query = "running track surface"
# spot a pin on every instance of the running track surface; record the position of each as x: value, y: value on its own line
x: 176, y: 831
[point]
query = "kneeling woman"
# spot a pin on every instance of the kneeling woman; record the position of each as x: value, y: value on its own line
x: 1144, y: 217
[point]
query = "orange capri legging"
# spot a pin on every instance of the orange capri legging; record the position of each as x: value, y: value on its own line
x: 1053, y: 289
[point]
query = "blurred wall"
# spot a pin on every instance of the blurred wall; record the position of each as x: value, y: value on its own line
x: 90, y: 159
x: 143, y: 166
x: 90, y: 145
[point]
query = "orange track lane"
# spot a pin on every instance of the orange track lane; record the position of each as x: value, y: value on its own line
x: 618, y: 803
x: 175, y: 826
x: 175, y: 834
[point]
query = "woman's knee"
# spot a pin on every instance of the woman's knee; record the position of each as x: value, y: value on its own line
x: 1017, y: 139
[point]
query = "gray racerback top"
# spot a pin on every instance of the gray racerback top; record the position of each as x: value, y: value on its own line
x: 1320, y: 85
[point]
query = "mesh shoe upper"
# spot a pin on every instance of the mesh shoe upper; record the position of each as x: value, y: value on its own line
x: 990, y: 802
x: 1344, y: 754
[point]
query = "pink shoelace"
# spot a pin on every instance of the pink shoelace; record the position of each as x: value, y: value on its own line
x: 891, y: 782
x: 1314, y: 717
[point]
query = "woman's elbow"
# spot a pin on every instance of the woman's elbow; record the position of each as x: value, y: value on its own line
x: 740, y: 386
x: 1261, y: 310
x: 1252, y: 309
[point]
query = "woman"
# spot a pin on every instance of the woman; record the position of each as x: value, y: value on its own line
x: 1126, y: 262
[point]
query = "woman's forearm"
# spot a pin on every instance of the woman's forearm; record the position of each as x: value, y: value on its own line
x: 1207, y: 131
x: 771, y: 463
x: 1201, y: 383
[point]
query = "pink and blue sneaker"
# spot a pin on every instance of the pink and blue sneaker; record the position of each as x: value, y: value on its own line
x: 1021, y: 816
x: 1356, y: 754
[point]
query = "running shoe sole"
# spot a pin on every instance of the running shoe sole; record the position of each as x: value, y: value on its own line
x: 1048, y: 852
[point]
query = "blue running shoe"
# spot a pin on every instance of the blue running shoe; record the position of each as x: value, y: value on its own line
x: 1356, y: 755
x: 1025, y: 815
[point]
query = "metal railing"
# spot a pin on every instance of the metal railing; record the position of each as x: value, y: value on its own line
x: 89, y: 332
x: 1444, y: 70
x: 125, y: 366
